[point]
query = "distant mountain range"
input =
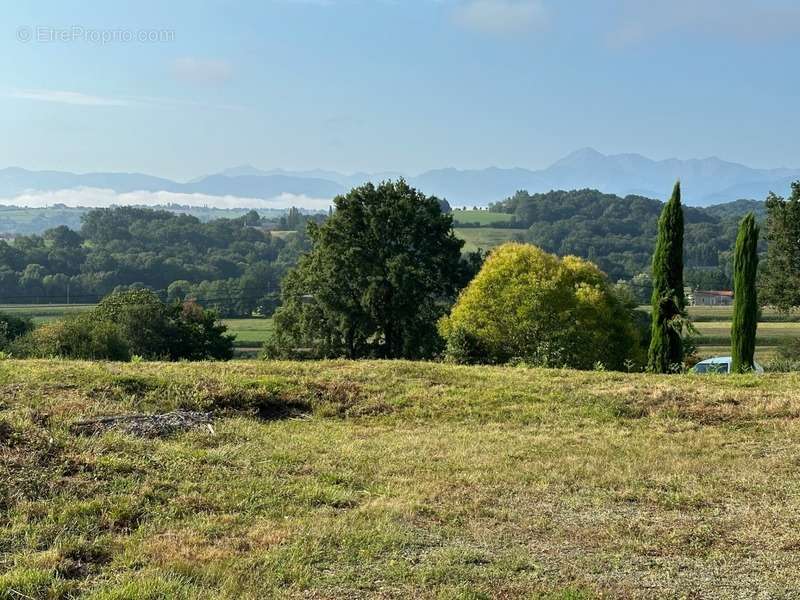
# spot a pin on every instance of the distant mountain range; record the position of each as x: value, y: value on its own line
x: 705, y: 181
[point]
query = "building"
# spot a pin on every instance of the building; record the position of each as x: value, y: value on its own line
x: 711, y: 298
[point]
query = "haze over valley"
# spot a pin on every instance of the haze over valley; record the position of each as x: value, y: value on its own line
x: 706, y: 182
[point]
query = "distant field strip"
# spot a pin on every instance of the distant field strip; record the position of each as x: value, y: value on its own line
x: 482, y: 217
x: 486, y: 237
x: 250, y: 333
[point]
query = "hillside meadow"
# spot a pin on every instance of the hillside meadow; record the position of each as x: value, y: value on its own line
x: 397, y: 479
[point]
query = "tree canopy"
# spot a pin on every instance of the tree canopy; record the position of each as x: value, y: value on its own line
x: 745, y: 309
x: 780, y: 276
x: 132, y: 323
x: 383, y: 268
x: 619, y: 233
x: 669, y: 301
x: 231, y: 265
x: 530, y: 305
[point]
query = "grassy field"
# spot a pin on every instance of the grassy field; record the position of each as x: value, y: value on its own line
x: 250, y: 333
x: 395, y: 479
x: 725, y: 313
x: 482, y: 217
x: 41, y: 313
x: 485, y: 237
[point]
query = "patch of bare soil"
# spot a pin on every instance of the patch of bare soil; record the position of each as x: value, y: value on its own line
x: 149, y: 426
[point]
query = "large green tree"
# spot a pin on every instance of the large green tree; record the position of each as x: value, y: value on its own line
x: 780, y: 277
x: 745, y: 308
x: 383, y: 269
x: 668, y: 301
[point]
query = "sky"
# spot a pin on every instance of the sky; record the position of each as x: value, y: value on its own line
x: 185, y: 88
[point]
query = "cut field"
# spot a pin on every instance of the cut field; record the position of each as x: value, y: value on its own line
x: 482, y: 217
x: 769, y: 333
x: 42, y: 313
x: 485, y: 237
x: 395, y: 479
x: 250, y: 333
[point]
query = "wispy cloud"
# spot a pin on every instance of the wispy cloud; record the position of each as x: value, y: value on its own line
x: 501, y: 16
x: 65, y: 97
x: 749, y: 20
x: 91, y: 100
x: 203, y: 71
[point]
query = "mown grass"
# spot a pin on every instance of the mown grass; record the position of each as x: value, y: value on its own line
x: 249, y: 333
x: 725, y: 313
x: 482, y: 217
x: 396, y: 479
x: 764, y: 353
x: 485, y: 237
x: 44, y: 313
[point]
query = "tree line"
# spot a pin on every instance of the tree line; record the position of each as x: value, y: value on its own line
x: 234, y: 266
x: 618, y: 234
x: 384, y: 276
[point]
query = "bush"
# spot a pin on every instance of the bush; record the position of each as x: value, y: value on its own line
x: 789, y: 349
x: 132, y: 323
x: 526, y: 304
x: 156, y: 330
x: 80, y: 337
x: 782, y: 365
x: 13, y: 327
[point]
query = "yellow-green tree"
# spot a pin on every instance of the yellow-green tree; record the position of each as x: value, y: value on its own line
x: 535, y: 306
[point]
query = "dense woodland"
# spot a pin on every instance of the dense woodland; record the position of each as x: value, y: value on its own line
x: 235, y: 265
x: 232, y: 265
x: 618, y: 233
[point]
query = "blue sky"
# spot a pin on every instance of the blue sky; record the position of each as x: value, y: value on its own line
x: 404, y: 85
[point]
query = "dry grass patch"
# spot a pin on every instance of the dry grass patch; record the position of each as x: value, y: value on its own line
x: 377, y: 479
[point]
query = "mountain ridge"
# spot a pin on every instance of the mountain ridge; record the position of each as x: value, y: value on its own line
x: 705, y: 181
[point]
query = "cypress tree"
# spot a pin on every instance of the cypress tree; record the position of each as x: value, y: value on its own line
x: 669, y: 303
x: 745, y: 300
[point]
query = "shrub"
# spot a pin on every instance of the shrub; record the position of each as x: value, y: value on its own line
x: 789, y: 349
x: 783, y: 365
x: 529, y: 305
x: 132, y: 323
x: 80, y: 337
x: 13, y: 327
x: 156, y: 330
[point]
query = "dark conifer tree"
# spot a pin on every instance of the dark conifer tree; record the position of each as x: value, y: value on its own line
x: 669, y: 304
x: 745, y: 307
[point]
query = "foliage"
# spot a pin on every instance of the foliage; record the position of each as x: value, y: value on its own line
x: 231, y: 265
x: 789, y: 349
x: 382, y: 270
x: 668, y: 301
x: 12, y: 327
x: 745, y: 308
x: 619, y: 233
x: 77, y: 337
x: 133, y: 323
x: 530, y: 305
x: 780, y: 276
